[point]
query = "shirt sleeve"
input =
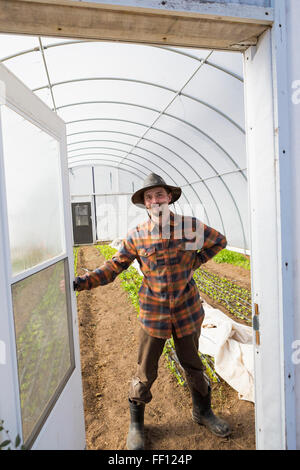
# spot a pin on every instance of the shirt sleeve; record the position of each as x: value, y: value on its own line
x: 213, y: 242
x: 111, y: 268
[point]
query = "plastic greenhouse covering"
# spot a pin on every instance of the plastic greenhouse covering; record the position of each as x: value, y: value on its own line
x: 135, y: 109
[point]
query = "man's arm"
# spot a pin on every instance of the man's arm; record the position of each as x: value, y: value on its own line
x: 214, y: 242
x: 109, y: 270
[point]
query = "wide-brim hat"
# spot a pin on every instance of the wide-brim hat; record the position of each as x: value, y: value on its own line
x: 153, y: 181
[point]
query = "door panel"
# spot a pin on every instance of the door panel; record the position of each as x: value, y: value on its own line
x: 33, y: 192
x: 39, y: 320
x: 82, y: 223
x: 44, y: 342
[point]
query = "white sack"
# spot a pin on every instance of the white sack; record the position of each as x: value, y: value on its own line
x: 230, y: 343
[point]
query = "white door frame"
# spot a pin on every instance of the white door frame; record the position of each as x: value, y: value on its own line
x: 270, y: 199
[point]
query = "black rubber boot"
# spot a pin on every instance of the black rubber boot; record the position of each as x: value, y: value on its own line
x: 136, y: 438
x: 203, y: 414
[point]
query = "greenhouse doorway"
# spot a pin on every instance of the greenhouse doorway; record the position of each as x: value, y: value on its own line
x: 267, y: 120
x: 82, y: 223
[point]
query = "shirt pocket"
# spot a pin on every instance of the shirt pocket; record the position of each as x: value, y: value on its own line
x: 184, y: 257
x: 148, y: 259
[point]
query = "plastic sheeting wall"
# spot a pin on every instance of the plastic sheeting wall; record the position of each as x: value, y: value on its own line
x: 134, y: 109
x: 198, y: 143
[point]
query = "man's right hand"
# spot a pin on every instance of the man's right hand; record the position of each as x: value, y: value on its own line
x: 78, y: 284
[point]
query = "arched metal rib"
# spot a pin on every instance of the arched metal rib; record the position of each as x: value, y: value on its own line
x: 159, y: 156
x: 157, y: 111
x: 169, y: 49
x: 72, y: 160
x: 144, y: 166
x: 133, y: 161
x: 142, y: 82
x: 168, y: 163
x: 183, y: 142
x: 82, y: 163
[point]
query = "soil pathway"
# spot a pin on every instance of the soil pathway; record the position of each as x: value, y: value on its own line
x: 108, y: 328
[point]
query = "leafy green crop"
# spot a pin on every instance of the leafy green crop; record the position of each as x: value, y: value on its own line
x: 232, y: 257
x: 175, y: 367
x: 234, y: 298
x: 131, y: 279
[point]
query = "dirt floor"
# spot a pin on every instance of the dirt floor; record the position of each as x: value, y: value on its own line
x: 108, y: 328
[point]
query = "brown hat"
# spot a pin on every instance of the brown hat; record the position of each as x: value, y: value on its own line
x: 153, y: 181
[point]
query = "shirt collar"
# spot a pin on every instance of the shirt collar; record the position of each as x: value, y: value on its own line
x: 175, y: 219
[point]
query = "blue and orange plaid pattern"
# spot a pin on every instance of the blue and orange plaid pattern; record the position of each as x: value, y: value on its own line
x: 168, y: 295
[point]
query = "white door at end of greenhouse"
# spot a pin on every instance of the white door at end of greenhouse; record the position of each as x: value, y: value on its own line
x: 40, y: 375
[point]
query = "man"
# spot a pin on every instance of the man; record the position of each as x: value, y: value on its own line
x: 168, y: 248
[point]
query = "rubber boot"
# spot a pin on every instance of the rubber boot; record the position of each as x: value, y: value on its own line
x: 136, y: 438
x: 203, y: 414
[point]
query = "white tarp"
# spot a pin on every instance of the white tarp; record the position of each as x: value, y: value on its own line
x: 230, y: 344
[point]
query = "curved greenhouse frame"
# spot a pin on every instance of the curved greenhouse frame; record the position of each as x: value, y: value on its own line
x: 154, y: 109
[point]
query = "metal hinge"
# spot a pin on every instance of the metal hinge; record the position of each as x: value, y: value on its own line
x: 256, y: 324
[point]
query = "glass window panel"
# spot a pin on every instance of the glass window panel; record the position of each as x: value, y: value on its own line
x: 43, y: 341
x: 81, y: 220
x: 81, y: 215
x: 34, y: 193
x: 81, y: 210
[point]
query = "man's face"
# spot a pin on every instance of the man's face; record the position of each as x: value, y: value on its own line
x: 157, y: 201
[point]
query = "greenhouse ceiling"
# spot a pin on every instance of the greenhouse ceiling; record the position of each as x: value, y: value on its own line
x: 133, y: 109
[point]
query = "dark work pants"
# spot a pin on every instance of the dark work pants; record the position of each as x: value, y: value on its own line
x: 150, y: 350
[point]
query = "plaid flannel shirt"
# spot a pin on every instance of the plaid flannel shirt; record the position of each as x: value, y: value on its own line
x: 168, y: 296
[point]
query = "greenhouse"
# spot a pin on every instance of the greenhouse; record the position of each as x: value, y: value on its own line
x: 95, y: 96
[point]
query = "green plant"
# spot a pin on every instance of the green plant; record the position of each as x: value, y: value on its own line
x: 6, y: 444
x: 234, y: 298
x: 232, y: 257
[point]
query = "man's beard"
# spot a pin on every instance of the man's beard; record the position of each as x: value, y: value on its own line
x: 160, y: 216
